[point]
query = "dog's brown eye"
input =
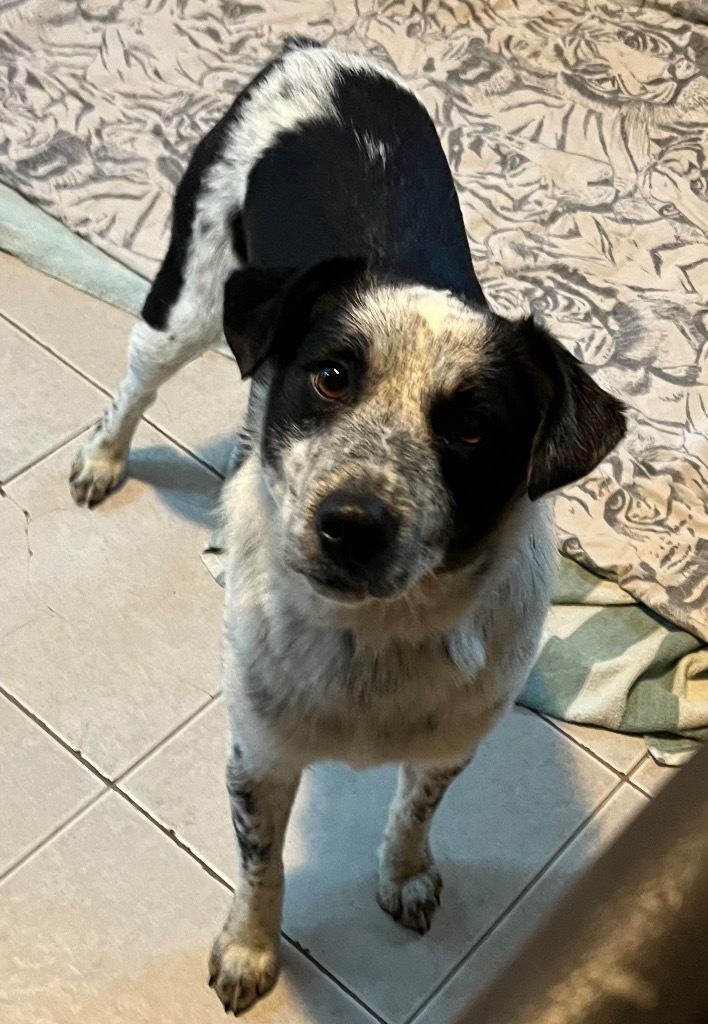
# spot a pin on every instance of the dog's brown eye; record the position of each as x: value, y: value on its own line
x: 331, y: 382
x: 470, y: 439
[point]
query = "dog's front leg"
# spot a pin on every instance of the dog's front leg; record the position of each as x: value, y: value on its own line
x: 409, y: 881
x: 244, y: 958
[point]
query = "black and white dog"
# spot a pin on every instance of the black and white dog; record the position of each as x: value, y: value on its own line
x: 390, y: 561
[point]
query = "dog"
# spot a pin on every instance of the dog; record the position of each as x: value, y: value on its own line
x: 390, y: 551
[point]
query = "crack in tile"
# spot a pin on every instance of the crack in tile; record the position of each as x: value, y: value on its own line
x: 29, y: 519
x: 30, y: 552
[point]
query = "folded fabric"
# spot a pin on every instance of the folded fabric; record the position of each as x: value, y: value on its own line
x: 608, y: 661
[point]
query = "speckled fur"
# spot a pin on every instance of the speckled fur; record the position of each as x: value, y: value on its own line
x: 414, y: 674
x: 416, y: 680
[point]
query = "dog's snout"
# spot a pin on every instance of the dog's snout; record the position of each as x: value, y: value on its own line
x: 355, y: 528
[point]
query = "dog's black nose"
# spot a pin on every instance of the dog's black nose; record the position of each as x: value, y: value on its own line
x: 354, y: 528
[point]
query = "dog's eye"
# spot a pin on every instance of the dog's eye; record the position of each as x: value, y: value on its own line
x: 331, y: 382
x: 469, y: 432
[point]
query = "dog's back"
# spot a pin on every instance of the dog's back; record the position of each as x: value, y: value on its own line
x: 360, y: 173
x: 324, y: 154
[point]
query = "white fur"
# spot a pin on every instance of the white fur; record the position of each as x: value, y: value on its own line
x: 443, y: 661
x: 417, y: 680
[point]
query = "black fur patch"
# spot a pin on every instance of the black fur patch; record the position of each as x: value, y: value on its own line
x: 542, y: 424
x: 581, y: 422
x: 267, y: 311
x: 254, y: 847
x: 499, y: 405
x: 170, y: 277
x: 370, y: 180
x: 293, y: 402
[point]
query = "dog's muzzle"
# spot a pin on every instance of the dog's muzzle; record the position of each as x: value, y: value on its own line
x: 356, y: 531
x: 355, y: 537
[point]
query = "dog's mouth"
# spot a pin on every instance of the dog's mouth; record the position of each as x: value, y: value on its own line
x: 344, y: 589
x: 335, y: 587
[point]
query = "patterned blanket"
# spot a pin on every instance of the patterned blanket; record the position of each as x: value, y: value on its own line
x: 577, y: 131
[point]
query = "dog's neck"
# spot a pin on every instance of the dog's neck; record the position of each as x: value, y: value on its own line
x: 432, y: 607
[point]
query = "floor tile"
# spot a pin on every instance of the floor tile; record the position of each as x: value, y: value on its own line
x: 200, y: 408
x: 620, y: 750
x: 111, y: 922
x: 42, y: 402
x: 42, y: 785
x: 528, y: 790
x: 119, y: 632
x: 17, y: 602
x: 652, y: 777
x: 496, y: 950
x: 183, y: 786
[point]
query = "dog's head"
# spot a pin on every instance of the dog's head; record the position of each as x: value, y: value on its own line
x: 400, y: 423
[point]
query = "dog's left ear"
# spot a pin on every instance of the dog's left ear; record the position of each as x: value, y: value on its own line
x: 266, y: 309
x: 580, y: 423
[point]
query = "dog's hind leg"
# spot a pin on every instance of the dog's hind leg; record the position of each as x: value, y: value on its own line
x: 409, y: 881
x: 244, y: 958
x: 182, y: 317
x: 154, y: 356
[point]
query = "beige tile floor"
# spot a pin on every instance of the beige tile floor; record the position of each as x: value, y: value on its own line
x: 115, y: 845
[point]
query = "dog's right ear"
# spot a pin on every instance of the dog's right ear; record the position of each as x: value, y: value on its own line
x: 251, y: 300
x: 266, y: 309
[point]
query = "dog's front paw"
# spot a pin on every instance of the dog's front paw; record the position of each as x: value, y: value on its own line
x: 240, y: 974
x: 411, y: 901
x: 94, y: 473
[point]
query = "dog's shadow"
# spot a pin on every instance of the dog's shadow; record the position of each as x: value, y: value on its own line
x: 496, y: 834
x: 392, y: 968
x: 188, y: 489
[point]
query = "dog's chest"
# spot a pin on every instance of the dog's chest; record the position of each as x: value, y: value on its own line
x: 323, y: 696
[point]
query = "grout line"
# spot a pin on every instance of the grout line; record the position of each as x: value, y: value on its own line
x: 514, y: 903
x: 187, y: 451
x: 133, y: 766
x: 67, y: 440
x: 111, y: 786
x: 57, y: 355
x: 170, y: 833
x: 55, y: 736
x: 54, y: 834
x: 332, y: 977
x: 637, y: 766
x: 190, y: 720
x: 218, y: 877
x: 638, y: 789
x: 104, y: 391
x: 635, y: 785
x: 588, y: 750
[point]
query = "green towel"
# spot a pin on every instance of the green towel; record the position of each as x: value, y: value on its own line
x: 44, y: 243
x: 608, y: 661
